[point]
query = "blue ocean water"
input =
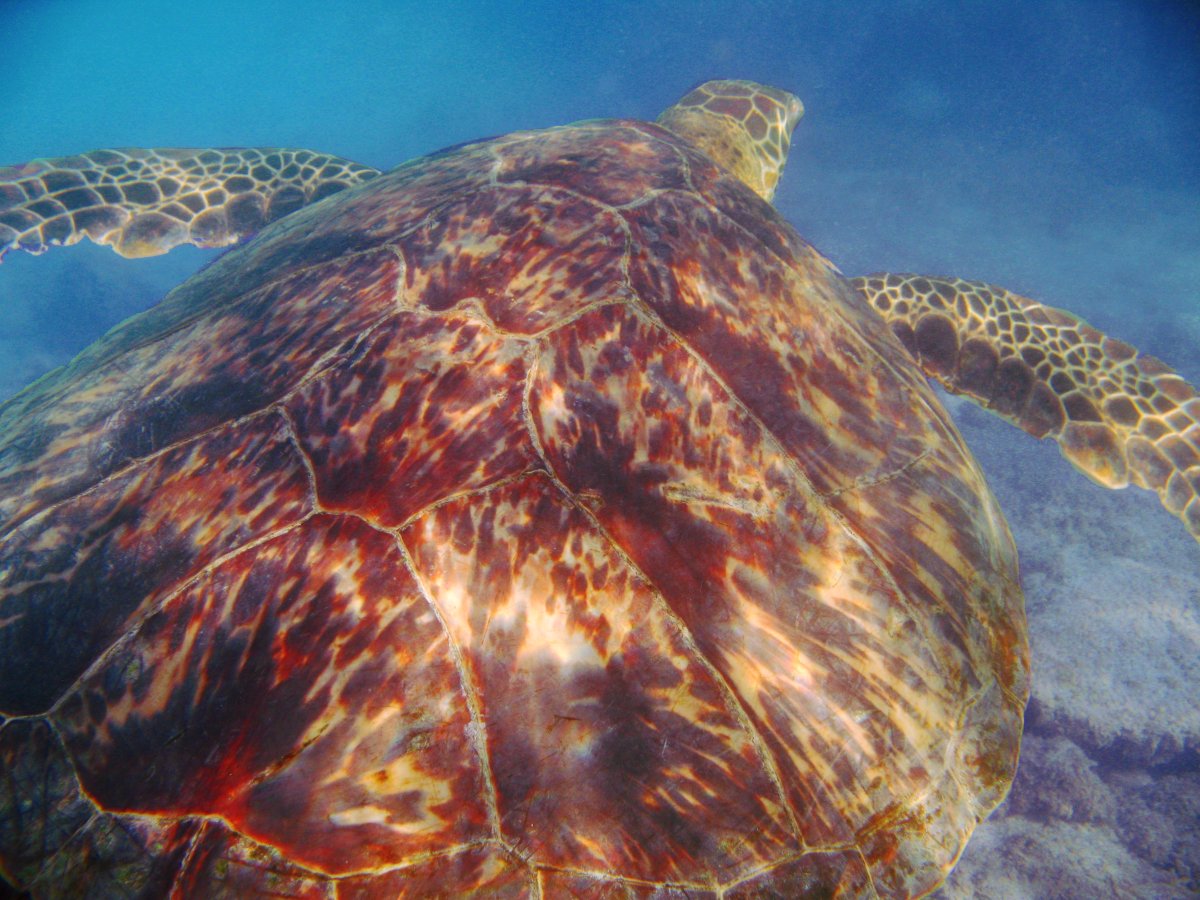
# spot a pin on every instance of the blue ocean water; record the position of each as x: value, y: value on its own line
x: 984, y: 139
x: 1050, y: 147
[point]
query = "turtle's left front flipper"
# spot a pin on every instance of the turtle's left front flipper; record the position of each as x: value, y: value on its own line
x: 144, y: 202
x: 1119, y: 417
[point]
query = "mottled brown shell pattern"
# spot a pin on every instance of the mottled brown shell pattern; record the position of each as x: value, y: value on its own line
x: 544, y: 518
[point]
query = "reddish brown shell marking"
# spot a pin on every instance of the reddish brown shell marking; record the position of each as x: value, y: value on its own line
x: 545, y: 515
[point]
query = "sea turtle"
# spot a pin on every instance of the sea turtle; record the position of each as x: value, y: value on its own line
x: 543, y: 517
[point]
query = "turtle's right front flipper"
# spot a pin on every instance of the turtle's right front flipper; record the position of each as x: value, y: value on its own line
x: 1118, y: 416
x: 144, y: 202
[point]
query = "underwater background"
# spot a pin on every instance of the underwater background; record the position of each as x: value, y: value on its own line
x: 1049, y: 147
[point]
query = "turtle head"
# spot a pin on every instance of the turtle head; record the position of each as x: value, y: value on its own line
x: 743, y: 126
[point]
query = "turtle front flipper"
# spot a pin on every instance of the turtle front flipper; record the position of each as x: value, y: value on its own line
x: 1119, y: 417
x: 144, y: 202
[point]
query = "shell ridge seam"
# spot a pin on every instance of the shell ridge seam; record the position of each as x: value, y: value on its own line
x: 480, y: 491
x: 110, y: 361
x: 625, y: 879
x: 16, y: 523
x: 310, y: 474
x: 730, y: 697
x: 185, y: 862
x: 733, y: 704
x: 56, y: 732
x: 134, y: 628
x: 479, y: 726
x: 264, y: 412
x: 316, y: 371
x: 791, y: 462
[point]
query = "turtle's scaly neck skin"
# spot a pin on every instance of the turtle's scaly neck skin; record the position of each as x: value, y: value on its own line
x: 743, y: 126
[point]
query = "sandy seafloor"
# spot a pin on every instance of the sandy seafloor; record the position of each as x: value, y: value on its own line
x: 1048, y: 147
